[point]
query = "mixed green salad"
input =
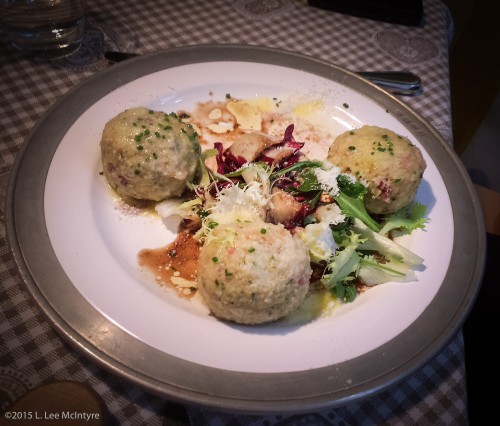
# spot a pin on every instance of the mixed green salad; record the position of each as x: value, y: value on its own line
x: 324, y: 207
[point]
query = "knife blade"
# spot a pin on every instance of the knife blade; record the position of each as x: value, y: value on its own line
x: 397, y: 82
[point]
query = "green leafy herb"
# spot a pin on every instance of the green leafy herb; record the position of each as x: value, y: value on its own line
x: 300, y: 165
x: 408, y: 218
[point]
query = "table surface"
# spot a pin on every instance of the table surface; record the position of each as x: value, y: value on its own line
x: 31, y: 353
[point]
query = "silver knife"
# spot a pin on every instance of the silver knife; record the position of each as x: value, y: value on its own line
x: 397, y: 82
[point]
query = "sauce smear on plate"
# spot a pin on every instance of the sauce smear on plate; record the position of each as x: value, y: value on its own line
x: 175, y: 265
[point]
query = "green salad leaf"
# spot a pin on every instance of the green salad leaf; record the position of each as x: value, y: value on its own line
x: 408, y: 218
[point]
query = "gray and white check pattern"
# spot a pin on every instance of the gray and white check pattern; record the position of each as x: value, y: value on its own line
x: 30, y: 350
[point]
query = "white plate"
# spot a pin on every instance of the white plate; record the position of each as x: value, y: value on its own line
x: 93, y: 245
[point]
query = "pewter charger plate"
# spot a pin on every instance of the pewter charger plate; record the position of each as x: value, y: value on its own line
x: 78, y: 252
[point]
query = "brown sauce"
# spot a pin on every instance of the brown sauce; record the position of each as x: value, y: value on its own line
x: 178, y: 260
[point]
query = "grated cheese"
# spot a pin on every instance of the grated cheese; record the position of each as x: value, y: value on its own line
x: 328, y: 179
x: 251, y: 198
x: 329, y: 214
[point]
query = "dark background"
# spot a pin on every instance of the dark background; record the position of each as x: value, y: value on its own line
x: 475, y: 83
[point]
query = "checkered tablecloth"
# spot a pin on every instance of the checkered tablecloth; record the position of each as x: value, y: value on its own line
x: 31, y: 353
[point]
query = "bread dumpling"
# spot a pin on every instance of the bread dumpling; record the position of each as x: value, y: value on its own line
x: 253, y: 272
x: 390, y: 165
x: 149, y: 155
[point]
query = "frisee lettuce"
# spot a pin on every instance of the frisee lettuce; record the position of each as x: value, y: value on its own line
x: 408, y: 218
x: 344, y: 264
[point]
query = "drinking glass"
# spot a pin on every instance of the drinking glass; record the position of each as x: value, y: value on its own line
x: 43, y: 28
